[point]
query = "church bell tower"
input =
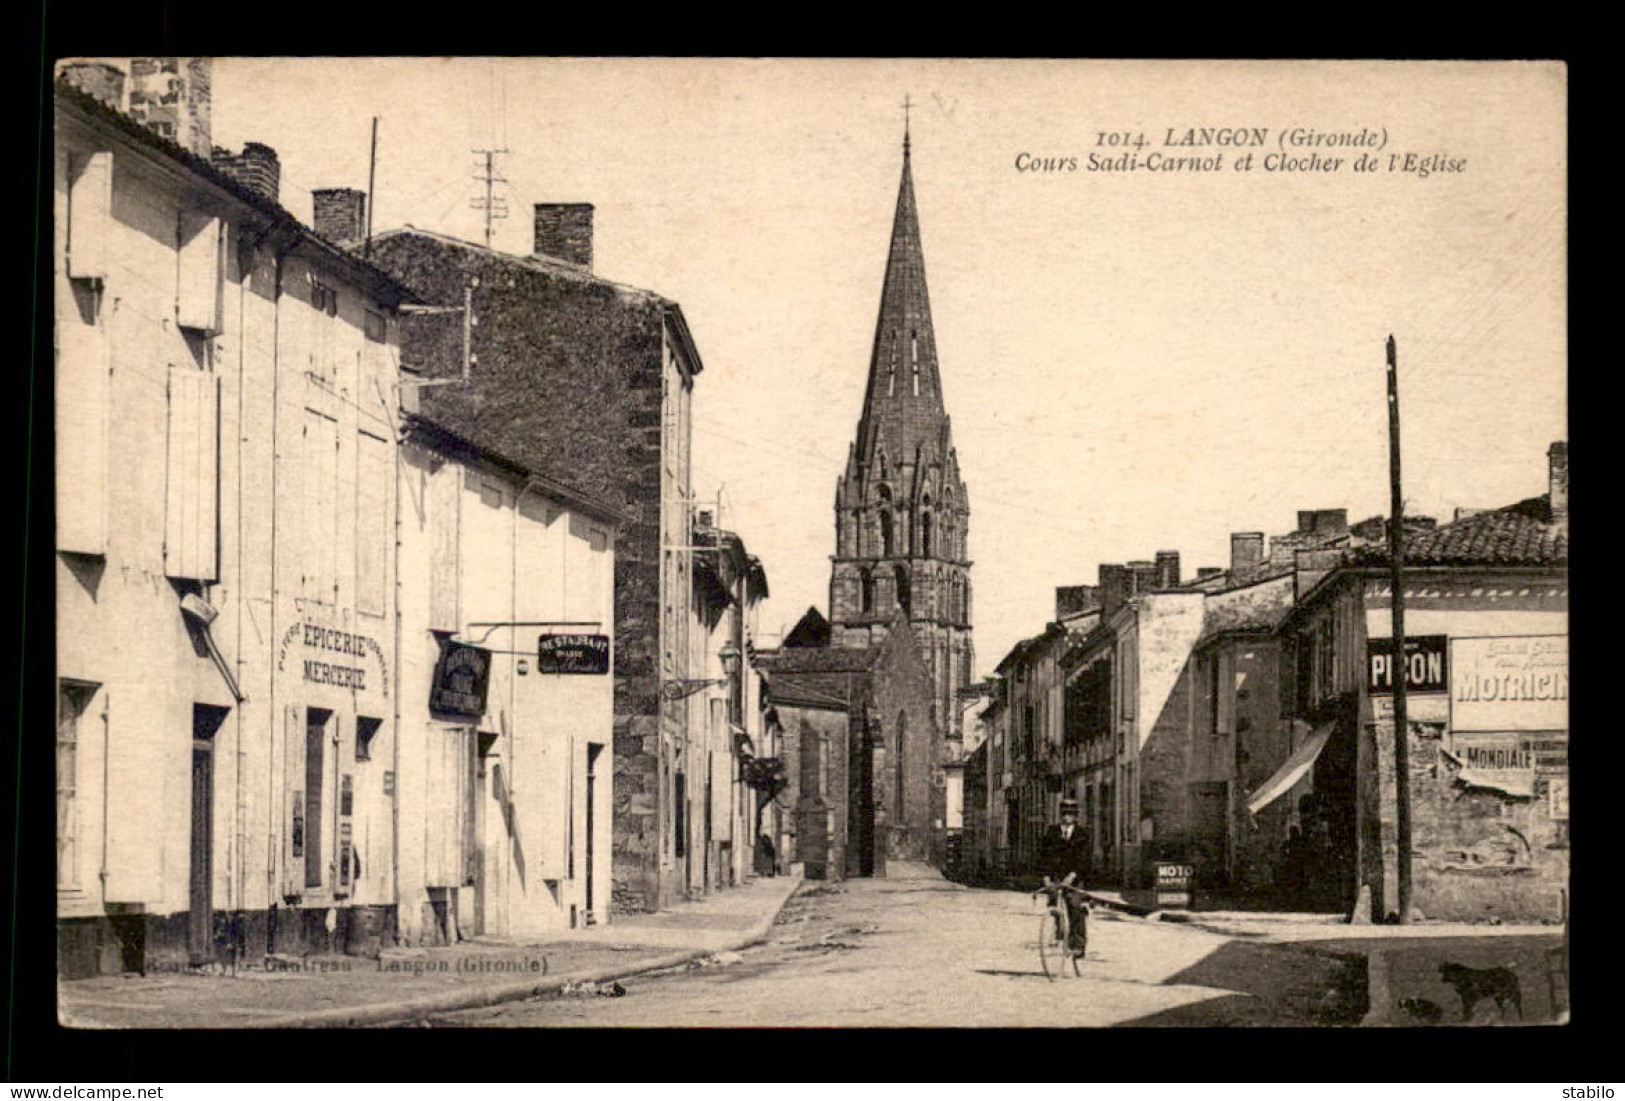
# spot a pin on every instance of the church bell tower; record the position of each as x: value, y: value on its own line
x: 901, y: 511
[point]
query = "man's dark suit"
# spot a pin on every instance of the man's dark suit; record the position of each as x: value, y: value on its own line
x: 1060, y: 856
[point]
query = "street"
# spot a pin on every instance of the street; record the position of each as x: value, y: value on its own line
x: 913, y: 949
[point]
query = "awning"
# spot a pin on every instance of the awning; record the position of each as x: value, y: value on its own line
x: 1506, y: 781
x: 1297, y: 766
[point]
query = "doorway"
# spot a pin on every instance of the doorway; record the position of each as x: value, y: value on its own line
x: 200, y: 946
x: 593, y: 750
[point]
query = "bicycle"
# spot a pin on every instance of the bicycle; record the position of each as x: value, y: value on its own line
x: 1055, y: 930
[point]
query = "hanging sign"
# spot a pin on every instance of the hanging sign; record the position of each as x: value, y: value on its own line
x: 573, y: 654
x: 460, y: 680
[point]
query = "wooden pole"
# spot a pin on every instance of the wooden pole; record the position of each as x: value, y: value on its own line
x: 372, y: 173
x: 1401, y: 667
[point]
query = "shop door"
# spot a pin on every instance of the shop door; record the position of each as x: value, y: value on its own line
x: 1209, y: 836
x: 200, y: 912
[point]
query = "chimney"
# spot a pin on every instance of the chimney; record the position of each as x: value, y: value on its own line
x: 1557, y: 457
x: 1331, y: 521
x: 1167, y: 569
x: 97, y: 79
x: 1071, y: 600
x: 1246, y: 556
x: 1144, y: 576
x: 341, y: 214
x: 1463, y: 512
x: 564, y: 232
x: 255, y: 168
x: 1116, y: 586
x: 171, y: 97
x: 1309, y: 566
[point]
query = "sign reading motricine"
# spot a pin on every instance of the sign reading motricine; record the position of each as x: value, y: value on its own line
x: 460, y: 679
x: 1425, y: 667
x: 583, y: 654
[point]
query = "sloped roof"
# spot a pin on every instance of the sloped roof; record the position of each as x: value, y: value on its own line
x: 381, y: 283
x: 1521, y: 534
x: 829, y: 659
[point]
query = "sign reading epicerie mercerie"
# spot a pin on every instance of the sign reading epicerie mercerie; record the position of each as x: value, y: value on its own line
x: 573, y: 654
x: 1424, y: 664
x: 460, y: 680
x: 340, y: 675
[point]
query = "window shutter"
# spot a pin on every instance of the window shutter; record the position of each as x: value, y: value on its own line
x: 82, y: 399
x: 373, y: 523
x: 192, y: 475
x: 90, y: 215
x: 197, y: 302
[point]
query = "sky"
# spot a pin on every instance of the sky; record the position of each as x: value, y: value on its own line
x: 1132, y: 360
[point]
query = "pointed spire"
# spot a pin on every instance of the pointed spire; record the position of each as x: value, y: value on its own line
x: 904, y: 396
x: 906, y: 105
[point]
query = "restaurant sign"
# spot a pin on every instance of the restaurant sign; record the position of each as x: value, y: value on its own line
x: 1519, y: 683
x: 573, y: 654
x: 461, y: 677
x: 1424, y: 664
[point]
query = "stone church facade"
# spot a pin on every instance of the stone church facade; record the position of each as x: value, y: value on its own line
x: 901, y: 509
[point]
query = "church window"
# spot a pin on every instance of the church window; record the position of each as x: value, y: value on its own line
x: 903, y: 600
x: 885, y: 535
x: 914, y: 360
x: 866, y: 583
x: 902, y: 757
x: 925, y: 533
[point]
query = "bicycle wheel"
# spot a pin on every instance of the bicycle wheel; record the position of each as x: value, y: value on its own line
x: 1083, y: 945
x: 1052, y: 936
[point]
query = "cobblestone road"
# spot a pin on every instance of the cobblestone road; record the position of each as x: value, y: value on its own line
x: 915, y: 950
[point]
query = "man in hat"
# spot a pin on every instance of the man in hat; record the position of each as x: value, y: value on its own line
x: 1063, y: 857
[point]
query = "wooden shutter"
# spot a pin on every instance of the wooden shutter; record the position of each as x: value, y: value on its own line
x: 197, y: 299
x: 374, y: 527
x: 320, y: 470
x: 82, y: 400
x: 192, y: 475
x: 90, y: 214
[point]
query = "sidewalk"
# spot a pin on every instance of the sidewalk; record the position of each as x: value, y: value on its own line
x: 403, y: 983
x: 1404, y: 965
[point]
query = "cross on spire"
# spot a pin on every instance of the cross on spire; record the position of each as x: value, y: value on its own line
x: 907, y: 103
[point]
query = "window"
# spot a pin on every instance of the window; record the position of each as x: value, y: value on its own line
x: 903, y: 600
x: 925, y: 534
x: 373, y: 324
x: 324, y: 299
x: 885, y: 534
x: 72, y: 701
x: 902, y: 765
x: 365, y: 730
x: 866, y: 583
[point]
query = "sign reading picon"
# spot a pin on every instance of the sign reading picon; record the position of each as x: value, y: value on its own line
x: 573, y: 654
x: 1519, y: 683
x: 1425, y: 664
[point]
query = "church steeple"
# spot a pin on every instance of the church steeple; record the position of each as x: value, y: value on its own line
x: 901, y: 509
x: 903, y: 404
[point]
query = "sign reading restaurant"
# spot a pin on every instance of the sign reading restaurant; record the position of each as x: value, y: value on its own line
x: 1424, y: 664
x: 581, y: 654
x: 461, y: 677
x: 1500, y: 684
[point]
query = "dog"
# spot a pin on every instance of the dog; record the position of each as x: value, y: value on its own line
x: 1421, y: 1009
x: 1474, y: 984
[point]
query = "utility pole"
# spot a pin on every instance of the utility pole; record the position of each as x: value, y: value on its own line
x: 1401, y: 666
x: 372, y: 172
x: 494, y: 207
